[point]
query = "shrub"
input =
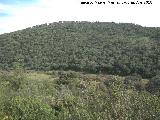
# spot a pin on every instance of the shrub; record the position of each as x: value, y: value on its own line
x: 154, y: 85
x: 133, y: 81
x: 20, y: 108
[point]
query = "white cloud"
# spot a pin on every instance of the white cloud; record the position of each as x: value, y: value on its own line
x: 46, y: 11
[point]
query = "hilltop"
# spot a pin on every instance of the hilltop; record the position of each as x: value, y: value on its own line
x: 96, y: 47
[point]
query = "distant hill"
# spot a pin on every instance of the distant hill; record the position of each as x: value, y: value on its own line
x: 104, y: 47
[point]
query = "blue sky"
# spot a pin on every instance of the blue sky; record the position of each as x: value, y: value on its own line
x: 14, y: 2
x: 20, y: 14
x: 4, y: 14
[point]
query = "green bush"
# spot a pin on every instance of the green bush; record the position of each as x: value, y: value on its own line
x: 154, y: 85
x: 134, y: 82
x: 19, y: 108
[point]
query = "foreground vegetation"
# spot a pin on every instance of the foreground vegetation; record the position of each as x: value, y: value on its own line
x: 68, y: 95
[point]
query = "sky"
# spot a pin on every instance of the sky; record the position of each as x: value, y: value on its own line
x: 20, y: 14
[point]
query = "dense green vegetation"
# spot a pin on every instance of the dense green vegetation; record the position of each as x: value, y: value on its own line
x: 60, y: 95
x: 80, y: 71
x: 97, y: 47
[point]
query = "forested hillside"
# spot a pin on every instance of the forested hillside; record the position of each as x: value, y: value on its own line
x: 96, y: 47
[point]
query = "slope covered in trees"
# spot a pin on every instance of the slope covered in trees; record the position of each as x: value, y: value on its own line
x: 104, y: 47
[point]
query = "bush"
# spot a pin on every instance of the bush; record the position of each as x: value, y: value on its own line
x: 154, y: 85
x: 15, y: 79
x: 133, y: 82
x: 20, y: 108
x: 65, y: 78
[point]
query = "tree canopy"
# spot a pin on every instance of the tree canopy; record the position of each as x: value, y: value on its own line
x: 97, y: 47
